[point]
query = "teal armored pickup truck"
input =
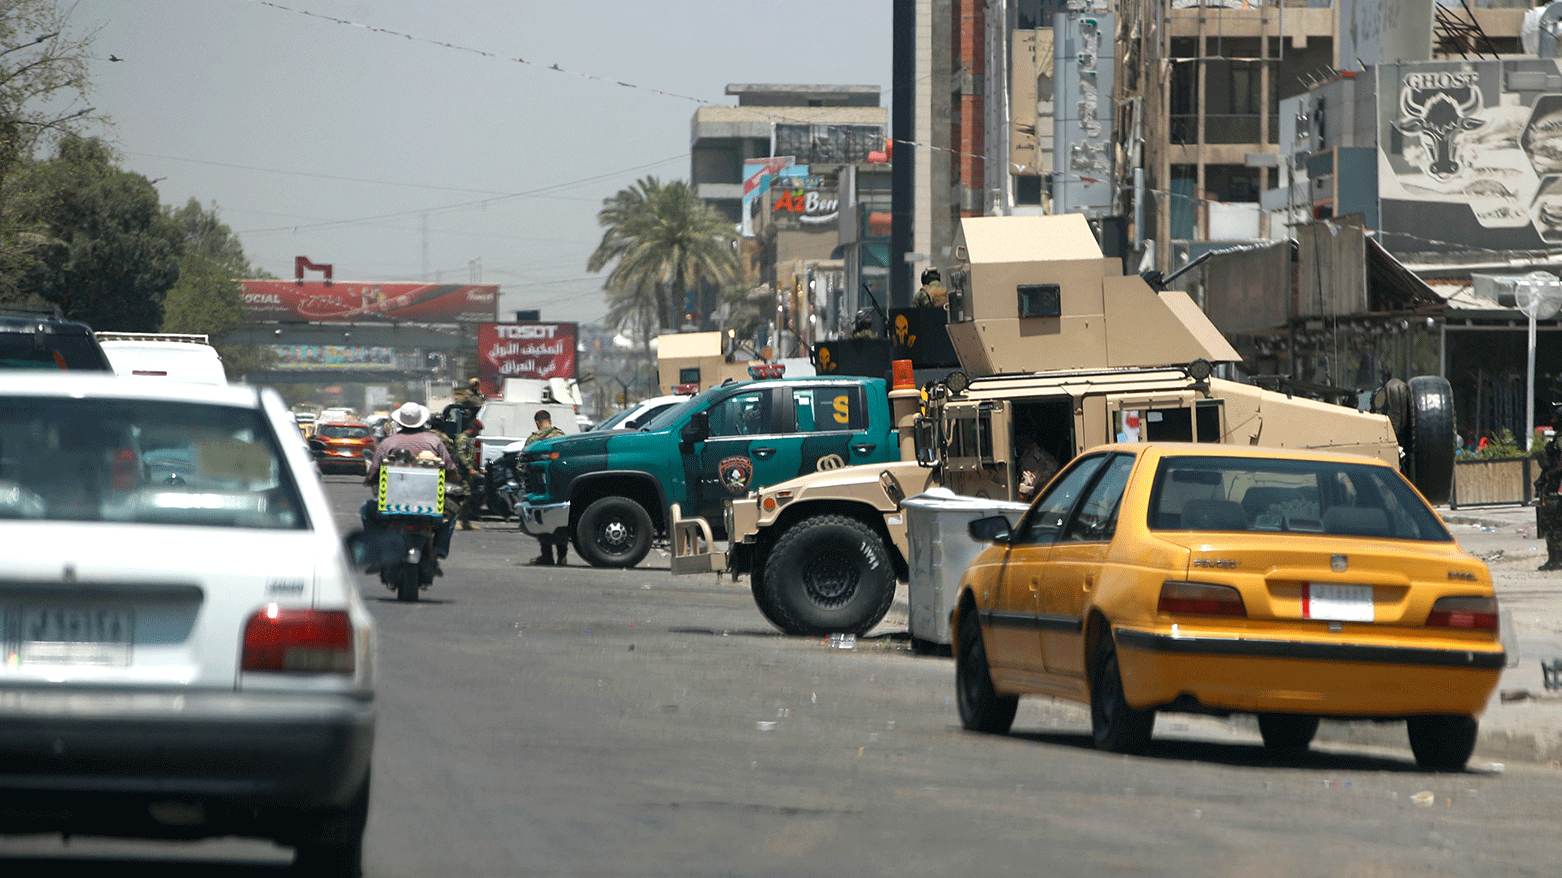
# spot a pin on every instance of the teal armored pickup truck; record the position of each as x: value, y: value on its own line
x: 613, y: 493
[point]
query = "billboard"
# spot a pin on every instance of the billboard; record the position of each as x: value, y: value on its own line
x: 1470, y: 155
x: 524, y: 350
x: 314, y: 357
x: 1082, y: 127
x: 350, y: 301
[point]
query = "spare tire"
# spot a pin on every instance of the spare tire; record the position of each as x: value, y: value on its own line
x: 1429, y: 438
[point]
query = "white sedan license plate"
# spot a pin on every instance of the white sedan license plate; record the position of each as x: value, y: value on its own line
x: 95, y: 636
x: 1336, y: 602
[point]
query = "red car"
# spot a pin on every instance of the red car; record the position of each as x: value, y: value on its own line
x: 342, y: 447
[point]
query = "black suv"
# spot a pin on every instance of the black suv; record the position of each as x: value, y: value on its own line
x: 45, y: 340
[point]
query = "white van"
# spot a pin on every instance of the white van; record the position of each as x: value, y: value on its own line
x: 169, y: 355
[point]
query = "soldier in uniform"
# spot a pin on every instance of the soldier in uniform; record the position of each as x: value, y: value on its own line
x: 1548, y: 506
x: 550, y: 544
x: 862, y: 326
x: 466, y: 455
x: 933, y: 293
x: 471, y: 395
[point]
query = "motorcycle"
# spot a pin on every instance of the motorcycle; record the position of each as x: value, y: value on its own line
x: 406, y: 525
x: 506, y: 483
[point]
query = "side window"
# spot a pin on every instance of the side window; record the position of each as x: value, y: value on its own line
x: 1097, y: 517
x: 826, y: 409
x: 1045, y: 520
x: 743, y: 414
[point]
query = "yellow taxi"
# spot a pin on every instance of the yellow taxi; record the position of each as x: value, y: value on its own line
x: 1295, y: 585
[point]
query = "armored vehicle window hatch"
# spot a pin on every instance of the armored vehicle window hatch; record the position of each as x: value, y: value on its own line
x: 1040, y: 300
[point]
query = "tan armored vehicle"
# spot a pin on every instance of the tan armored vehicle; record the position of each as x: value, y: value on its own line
x: 1060, y: 348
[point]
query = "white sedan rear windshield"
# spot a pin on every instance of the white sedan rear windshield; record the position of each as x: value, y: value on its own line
x: 1248, y: 494
x: 143, y: 461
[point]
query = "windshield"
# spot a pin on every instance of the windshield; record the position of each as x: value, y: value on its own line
x: 1310, y: 496
x: 143, y: 461
x: 611, y: 423
x: 666, y: 419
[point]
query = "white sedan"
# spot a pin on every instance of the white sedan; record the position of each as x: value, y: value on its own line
x: 185, y: 651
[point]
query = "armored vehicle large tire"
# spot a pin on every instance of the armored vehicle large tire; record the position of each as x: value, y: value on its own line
x: 613, y: 532
x: 764, y: 599
x: 828, y: 575
x: 1429, y: 452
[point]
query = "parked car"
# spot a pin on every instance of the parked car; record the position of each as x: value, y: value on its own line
x: 165, y: 355
x: 342, y: 446
x: 639, y: 414
x: 1221, y: 579
x: 187, y: 654
x: 39, y: 339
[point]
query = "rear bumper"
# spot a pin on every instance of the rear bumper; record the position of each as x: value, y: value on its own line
x: 292, y: 750
x: 1323, y: 678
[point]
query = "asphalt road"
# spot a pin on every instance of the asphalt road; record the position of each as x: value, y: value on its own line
x: 582, y: 722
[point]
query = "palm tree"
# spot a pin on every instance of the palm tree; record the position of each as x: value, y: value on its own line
x: 663, y: 242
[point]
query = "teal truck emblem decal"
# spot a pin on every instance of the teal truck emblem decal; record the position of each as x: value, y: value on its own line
x: 736, y: 472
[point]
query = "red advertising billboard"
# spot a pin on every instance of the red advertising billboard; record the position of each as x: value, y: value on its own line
x: 348, y: 301
x: 523, y: 350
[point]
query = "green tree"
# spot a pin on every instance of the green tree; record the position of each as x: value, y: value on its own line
x: 109, y: 252
x: 662, y: 242
x: 207, y: 296
x: 43, y: 89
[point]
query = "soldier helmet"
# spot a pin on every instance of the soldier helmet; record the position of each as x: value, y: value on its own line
x: 929, y: 275
x: 863, y: 320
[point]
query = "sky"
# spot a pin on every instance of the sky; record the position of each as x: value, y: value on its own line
x: 403, y: 140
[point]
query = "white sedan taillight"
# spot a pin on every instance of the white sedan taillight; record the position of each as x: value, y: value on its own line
x: 298, y: 640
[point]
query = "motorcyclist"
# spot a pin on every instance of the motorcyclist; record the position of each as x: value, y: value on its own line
x: 412, y: 439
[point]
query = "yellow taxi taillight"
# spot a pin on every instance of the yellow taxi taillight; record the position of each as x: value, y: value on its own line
x: 1200, y: 599
x: 1476, y: 613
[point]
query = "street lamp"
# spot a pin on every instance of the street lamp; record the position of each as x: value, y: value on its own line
x: 1539, y: 295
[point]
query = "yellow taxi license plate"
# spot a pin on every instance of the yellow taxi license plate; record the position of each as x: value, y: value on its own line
x: 1337, y: 602
x: 98, y: 636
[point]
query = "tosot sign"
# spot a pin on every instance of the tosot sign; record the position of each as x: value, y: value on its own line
x: 523, y: 350
x: 350, y: 301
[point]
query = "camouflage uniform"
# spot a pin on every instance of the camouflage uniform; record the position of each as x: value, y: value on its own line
x: 1548, y: 502
x: 466, y: 455
x: 551, y: 545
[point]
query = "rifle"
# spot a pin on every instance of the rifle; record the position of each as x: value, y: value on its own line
x: 883, y: 318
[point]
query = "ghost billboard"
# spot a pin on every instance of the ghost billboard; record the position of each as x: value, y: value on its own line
x: 523, y: 350
x: 351, y: 301
x: 1470, y: 155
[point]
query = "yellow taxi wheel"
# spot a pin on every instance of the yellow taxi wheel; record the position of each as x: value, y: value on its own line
x: 1116, y: 726
x: 1442, y: 743
x: 982, y: 709
x: 1287, y: 731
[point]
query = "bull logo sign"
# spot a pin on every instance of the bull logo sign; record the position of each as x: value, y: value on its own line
x: 1439, y: 107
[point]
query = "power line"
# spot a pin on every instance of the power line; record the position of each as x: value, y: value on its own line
x: 462, y: 205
